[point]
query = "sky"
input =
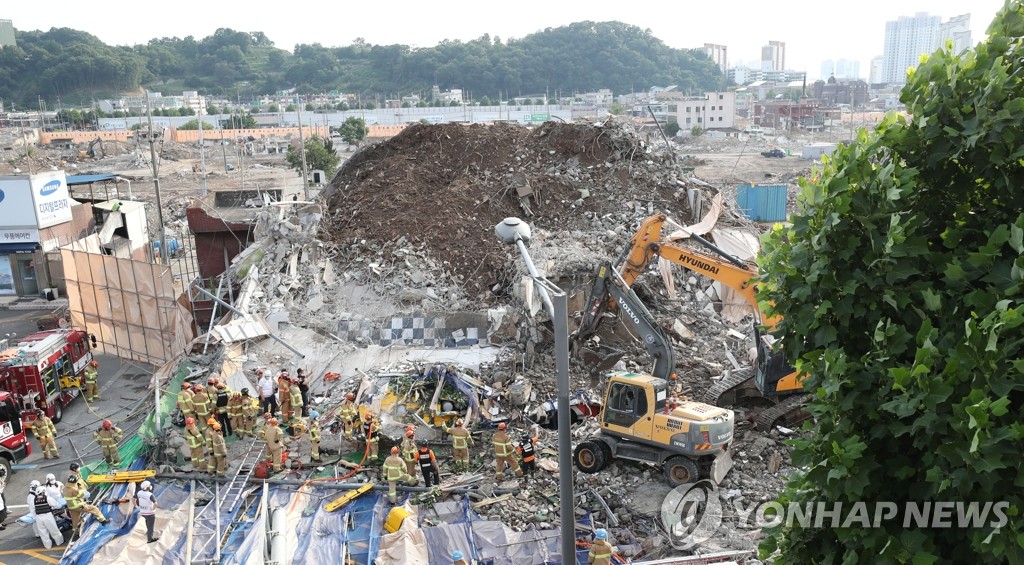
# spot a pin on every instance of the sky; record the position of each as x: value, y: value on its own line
x: 812, y: 31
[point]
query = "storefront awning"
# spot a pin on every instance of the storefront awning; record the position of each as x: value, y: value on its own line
x: 21, y: 248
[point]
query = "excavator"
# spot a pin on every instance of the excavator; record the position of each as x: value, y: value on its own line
x: 772, y: 382
x: 641, y: 421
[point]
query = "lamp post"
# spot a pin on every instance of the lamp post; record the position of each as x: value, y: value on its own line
x: 515, y: 231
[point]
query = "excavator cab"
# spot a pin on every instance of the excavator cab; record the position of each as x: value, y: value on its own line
x: 774, y: 376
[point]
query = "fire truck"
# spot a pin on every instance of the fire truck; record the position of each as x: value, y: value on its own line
x: 44, y: 371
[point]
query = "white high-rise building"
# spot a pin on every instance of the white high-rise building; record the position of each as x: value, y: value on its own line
x: 848, y: 69
x: 773, y: 56
x: 957, y: 30
x: 907, y: 38
x: 875, y: 75
x: 719, y: 54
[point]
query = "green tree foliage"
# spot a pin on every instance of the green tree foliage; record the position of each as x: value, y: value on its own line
x: 194, y: 125
x: 900, y: 281
x: 243, y: 120
x: 616, y: 108
x: 353, y: 131
x: 273, y: 108
x: 671, y: 128
x: 320, y: 154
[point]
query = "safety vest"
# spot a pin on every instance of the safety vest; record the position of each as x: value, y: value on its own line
x: 296, y: 396
x: 502, y: 445
x: 185, y: 400
x: 43, y: 427
x: 249, y: 406
x: 195, y: 439
x: 314, y: 431
x: 426, y: 459
x: 460, y: 438
x: 108, y: 438
x: 528, y: 451
x: 90, y: 376
x: 235, y: 406
x: 393, y: 468
x: 409, y: 449
x: 200, y: 403
x: 348, y: 410
x: 41, y: 504
x: 223, y: 396
x: 220, y: 449
x: 208, y: 437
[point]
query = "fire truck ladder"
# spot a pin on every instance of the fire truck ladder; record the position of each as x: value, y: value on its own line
x: 224, y: 501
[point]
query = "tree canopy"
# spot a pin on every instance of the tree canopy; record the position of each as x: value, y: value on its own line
x: 580, y: 57
x: 900, y: 282
x: 320, y: 155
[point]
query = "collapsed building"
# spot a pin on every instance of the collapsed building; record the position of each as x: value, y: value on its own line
x: 392, y: 285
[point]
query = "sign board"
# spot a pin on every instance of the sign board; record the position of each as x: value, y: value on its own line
x: 537, y: 117
x: 50, y: 195
x: 16, y: 205
x: 23, y: 235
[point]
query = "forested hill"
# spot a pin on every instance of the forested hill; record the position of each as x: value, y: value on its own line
x: 581, y: 57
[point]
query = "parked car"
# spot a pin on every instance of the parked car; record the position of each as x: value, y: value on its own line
x: 773, y: 153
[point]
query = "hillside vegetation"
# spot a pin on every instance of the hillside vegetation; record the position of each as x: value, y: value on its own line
x: 580, y: 57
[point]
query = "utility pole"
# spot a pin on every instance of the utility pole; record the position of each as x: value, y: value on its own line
x: 302, y: 152
x: 202, y: 147
x: 156, y: 183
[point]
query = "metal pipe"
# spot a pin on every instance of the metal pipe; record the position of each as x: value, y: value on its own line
x: 565, y: 478
x: 240, y: 313
x: 530, y: 268
x: 156, y: 186
x: 324, y: 484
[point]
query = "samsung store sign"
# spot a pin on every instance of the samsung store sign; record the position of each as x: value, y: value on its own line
x: 34, y: 202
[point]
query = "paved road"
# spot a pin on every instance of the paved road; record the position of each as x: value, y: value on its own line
x: 123, y: 386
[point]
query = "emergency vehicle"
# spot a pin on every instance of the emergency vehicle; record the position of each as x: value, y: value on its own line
x: 44, y: 371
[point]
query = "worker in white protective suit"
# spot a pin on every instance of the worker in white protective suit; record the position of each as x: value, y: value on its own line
x: 40, y: 508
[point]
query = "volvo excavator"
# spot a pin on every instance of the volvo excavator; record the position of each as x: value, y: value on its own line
x: 772, y: 381
x: 642, y: 422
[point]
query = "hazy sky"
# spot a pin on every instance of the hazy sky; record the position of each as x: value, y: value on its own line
x: 813, y: 31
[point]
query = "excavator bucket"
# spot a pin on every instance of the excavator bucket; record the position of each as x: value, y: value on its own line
x: 720, y: 468
x: 600, y: 358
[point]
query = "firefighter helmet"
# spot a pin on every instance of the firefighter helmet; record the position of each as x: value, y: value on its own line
x: 107, y: 424
x: 369, y: 416
x: 459, y: 422
x: 502, y: 426
x: 40, y: 413
x: 216, y: 426
x: 245, y: 392
x: 457, y: 555
x: 314, y: 414
x: 601, y: 533
x: 190, y: 421
x: 211, y: 421
x: 146, y: 485
x: 350, y: 396
x: 94, y: 364
x: 409, y: 433
x: 273, y: 421
x: 72, y: 478
x: 394, y: 450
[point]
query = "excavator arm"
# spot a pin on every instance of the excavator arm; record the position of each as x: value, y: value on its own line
x: 609, y: 286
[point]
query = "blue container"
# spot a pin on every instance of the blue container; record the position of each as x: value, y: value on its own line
x: 762, y: 202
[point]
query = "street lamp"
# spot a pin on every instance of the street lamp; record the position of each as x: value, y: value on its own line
x: 515, y: 231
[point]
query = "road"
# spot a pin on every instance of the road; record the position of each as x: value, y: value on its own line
x: 123, y: 387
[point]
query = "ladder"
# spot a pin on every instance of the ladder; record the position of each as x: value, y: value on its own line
x: 236, y: 488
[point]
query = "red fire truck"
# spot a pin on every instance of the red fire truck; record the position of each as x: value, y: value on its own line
x: 44, y: 371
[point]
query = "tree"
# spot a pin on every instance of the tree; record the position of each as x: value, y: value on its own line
x: 671, y: 128
x: 194, y: 125
x: 289, y: 108
x: 900, y: 280
x: 353, y: 131
x: 273, y: 108
x: 696, y: 131
x: 616, y: 109
x: 310, y: 107
x: 212, y: 109
x: 241, y: 120
x: 320, y: 154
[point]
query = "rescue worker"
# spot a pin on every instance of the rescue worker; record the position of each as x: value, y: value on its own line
x: 235, y: 413
x: 461, y: 441
x: 185, y: 401
x: 74, y: 470
x: 211, y: 394
x: 504, y: 454
x: 304, y: 389
x: 527, y: 449
x: 54, y: 488
x: 201, y: 406
x: 250, y: 407
x: 458, y: 558
x: 295, y: 396
x: 146, y: 503
x: 223, y: 396
x: 40, y: 507
x: 348, y: 413
x: 371, y: 433
x: 314, y: 435
x: 601, y: 551
x: 284, y: 395
x: 273, y: 437
x: 266, y: 424
x: 89, y: 379
x: 196, y: 443
x: 74, y: 495
x: 108, y: 437
x: 218, y: 465
x: 208, y: 441
x: 409, y: 451
x: 46, y: 433
x: 394, y: 471
x: 428, y: 466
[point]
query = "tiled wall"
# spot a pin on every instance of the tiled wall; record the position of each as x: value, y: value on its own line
x: 427, y: 330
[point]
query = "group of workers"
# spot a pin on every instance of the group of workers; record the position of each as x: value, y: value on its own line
x: 46, y: 500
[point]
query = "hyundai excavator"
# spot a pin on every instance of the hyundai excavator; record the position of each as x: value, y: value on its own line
x: 642, y: 422
x: 772, y: 381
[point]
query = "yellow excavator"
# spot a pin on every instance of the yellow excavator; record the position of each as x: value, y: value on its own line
x: 641, y: 421
x: 773, y: 381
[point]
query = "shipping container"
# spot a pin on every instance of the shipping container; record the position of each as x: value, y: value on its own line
x: 762, y: 202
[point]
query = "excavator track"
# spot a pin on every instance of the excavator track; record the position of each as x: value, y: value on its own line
x: 789, y: 411
x: 725, y: 390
